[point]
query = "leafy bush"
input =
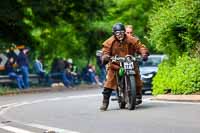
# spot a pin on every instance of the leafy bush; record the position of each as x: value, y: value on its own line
x: 183, y: 78
x: 174, y: 26
x: 175, y: 30
x: 162, y: 79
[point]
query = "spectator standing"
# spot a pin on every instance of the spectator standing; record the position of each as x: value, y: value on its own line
x: 9, y: 66
x: 23, y: 63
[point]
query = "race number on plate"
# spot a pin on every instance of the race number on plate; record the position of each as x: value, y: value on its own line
x: 128, y: 65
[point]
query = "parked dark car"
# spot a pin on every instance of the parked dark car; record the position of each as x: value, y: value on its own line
x: 148, y: 70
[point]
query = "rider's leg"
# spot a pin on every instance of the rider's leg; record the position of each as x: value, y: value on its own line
x: 139, y: 85
x: 106, y: 97
x: 138, y: 91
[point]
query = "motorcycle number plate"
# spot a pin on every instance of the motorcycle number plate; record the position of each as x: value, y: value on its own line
x: 128, y: 65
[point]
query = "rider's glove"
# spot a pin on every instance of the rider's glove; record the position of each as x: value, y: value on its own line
x: 105, y: 59
x: 114, y: 66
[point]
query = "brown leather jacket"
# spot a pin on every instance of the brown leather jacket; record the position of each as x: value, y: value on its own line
x: 112, y: 47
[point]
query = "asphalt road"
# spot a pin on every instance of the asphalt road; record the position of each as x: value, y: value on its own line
x: 78, y: 112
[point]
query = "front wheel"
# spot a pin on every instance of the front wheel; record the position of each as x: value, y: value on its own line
x: 131, y: 91
x: 121, y: 98
x: 121, y: 93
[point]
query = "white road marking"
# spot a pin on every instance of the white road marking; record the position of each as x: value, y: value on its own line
x: 48, y: 128
x: 84, y: 96
x: 6, y: 105
x: 14, y: 129
x: 55, y: 99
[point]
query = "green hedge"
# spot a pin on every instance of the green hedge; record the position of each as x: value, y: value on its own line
x: 181, y: 78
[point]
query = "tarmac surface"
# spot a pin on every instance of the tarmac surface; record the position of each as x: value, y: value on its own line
x: 166, y: 97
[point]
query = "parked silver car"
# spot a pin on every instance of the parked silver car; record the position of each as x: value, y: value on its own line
x: 148, y: 70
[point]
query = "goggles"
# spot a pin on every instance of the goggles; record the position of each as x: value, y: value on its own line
x: 117, y: 33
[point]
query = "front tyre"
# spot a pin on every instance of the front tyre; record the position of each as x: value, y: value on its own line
x: 131, y: 92
x: 121, y: 97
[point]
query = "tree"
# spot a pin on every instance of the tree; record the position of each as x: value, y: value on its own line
x: 128, y: 12
x: 174, y: 26
x: 57, y: 24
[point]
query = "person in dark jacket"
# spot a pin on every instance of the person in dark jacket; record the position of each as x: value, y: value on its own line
x: 23, y: 63
x: 59, y: 70
x: 12, y: 74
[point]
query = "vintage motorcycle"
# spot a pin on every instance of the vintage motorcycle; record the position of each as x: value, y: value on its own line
x: 126, y: 84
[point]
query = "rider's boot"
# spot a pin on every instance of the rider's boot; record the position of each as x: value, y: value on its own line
x: 138, y: 91
x: 138, y: 99
x: 106, y: 97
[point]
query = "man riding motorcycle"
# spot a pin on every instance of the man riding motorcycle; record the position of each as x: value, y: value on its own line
x: 120, y: 44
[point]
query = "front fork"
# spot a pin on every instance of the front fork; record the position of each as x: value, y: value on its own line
x: 120, y: 88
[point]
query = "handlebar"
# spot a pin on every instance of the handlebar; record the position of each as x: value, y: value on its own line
x: 128, y: 58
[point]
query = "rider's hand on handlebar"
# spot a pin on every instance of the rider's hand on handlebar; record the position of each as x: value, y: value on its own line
x: 106, y: 59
